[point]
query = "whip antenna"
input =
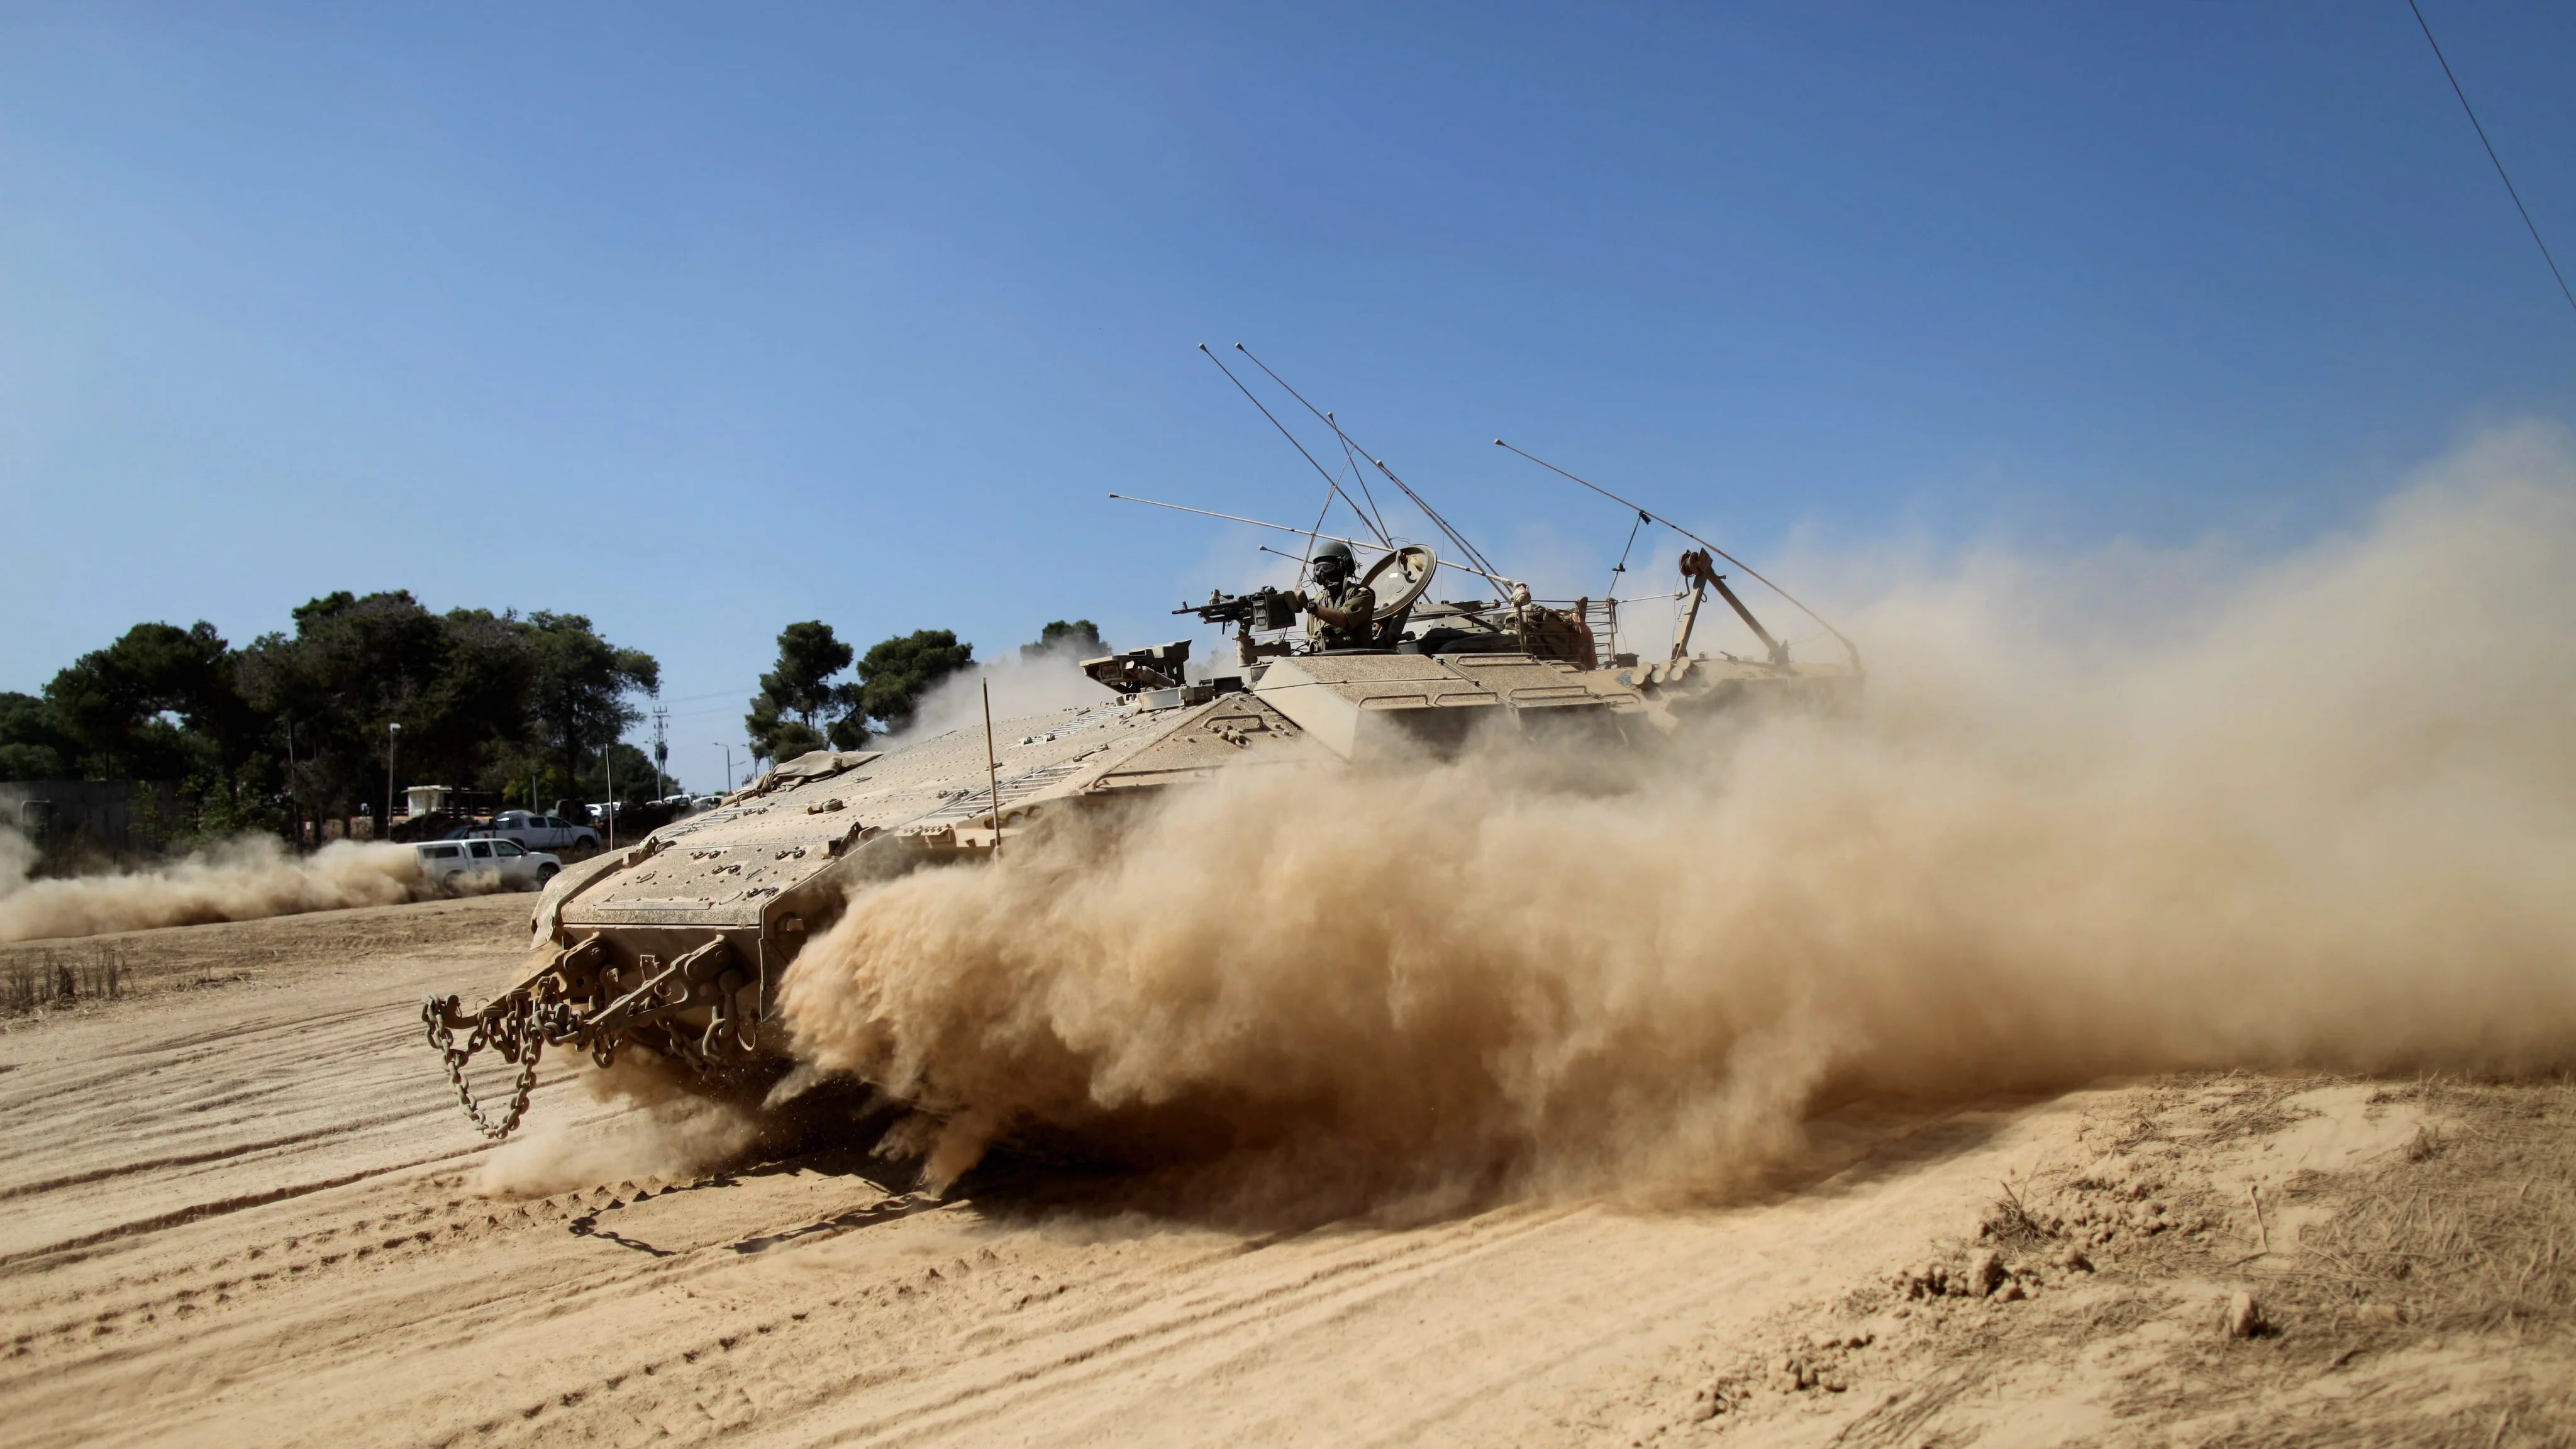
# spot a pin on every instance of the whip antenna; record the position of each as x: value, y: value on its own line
x: 1327, y: 420
x: 1453, y: 535
x: 1301, y: 533
x: 1844, y: 639
x: 1351, y: 459
x: 1433, y: 514
x: 1330, y: 482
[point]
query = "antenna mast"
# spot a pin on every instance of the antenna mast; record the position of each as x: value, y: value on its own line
x: 1468, y: 550
x: 1849, y: 647
x: 1332, y: 485
x: 1301, y: 533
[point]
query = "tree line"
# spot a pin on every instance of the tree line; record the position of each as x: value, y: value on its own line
x: 529, y: 707
x: 804, y: 704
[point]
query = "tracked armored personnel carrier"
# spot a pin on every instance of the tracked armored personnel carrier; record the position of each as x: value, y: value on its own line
x: 678, y: 946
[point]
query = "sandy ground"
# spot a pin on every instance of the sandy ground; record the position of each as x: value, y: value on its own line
x: 242, y: 1209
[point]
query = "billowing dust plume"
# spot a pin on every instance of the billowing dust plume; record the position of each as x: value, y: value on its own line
x: 1022, y: 685
x: 2316, y: 812
x: 668, y: 1132
x: 240, y: 880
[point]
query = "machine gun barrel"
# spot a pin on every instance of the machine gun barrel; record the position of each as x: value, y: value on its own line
x: 1264, y: 608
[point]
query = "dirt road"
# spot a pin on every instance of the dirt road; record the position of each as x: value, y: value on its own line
x: 241, y: 1208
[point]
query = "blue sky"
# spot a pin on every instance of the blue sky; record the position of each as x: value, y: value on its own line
x: 700, y: 320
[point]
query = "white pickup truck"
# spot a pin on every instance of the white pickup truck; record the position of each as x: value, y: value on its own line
x: 447, y: 860
x: 540, y: 832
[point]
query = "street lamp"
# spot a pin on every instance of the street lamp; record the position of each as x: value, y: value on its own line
x: 728, y: 749
x: 393, y: 739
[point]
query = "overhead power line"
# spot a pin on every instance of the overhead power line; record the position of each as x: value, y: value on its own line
x: 2501, y: 175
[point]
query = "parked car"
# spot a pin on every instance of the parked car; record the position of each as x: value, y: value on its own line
x: 446, y: 860
x: 541, y: 832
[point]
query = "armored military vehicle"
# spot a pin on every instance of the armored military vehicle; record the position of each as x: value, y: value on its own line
x: 677, y: 946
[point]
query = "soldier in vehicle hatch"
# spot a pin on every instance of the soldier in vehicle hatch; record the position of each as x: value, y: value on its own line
x: 1341, y: 612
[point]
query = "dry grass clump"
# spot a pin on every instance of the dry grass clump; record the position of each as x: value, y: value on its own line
x: 2010, y: 1222
x: 2471, y: 1227
x: 2239, y: 1105
x: 32, y: 981
x: 2458, y: 1243
x: 2521, y: 1420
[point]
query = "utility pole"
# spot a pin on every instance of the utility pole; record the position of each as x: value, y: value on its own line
x: 294, y: 804
x: 728, y: 749
x: 393, y: 742
x: 661, y: 754
x: 608, y: 765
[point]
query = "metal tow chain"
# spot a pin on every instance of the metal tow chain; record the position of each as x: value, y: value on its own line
x: 514, y: 1034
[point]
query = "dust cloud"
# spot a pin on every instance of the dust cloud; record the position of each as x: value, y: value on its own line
x: 1022, y: 685
x: 2318, y: 811
x: 662, y: 1130
x: 240, y: 880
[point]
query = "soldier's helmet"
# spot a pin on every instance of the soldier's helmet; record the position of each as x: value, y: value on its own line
x: 1334, y: 548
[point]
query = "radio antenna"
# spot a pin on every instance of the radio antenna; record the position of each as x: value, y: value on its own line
x: 1327, y: 420
x: 1844, y: 639
x: 1359, y: 476
x: 1330, y: 482
x: 1453, y: 535
x: 1301, y: 533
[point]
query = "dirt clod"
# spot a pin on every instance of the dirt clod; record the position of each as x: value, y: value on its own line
x: 2244, y: 1315
x: 1985, y: 1273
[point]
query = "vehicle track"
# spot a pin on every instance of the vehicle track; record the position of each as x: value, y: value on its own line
x: 252, y: 1215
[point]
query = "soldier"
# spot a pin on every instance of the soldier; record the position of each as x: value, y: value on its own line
x: 1341, y: 612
